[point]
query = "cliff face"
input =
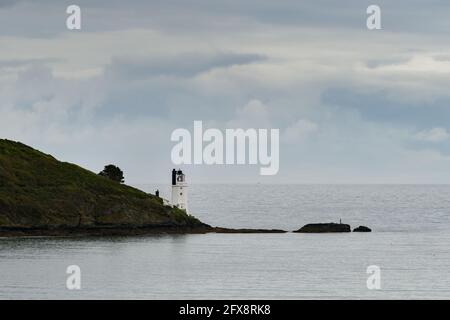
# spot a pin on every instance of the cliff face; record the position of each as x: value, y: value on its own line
x: 39, y: 192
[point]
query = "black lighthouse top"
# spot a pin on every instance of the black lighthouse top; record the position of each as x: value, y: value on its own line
x: 174, y: 176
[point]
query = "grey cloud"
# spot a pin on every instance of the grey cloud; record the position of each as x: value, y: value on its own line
x: 8, y: 3
x: 183, y: 65
x: 162, y: 87
x: 442, y: 57
x: 376, y: 105
x: 376, y: 63
x: 202, y: 16
x: 174, y: 99
x: 37, y: 93
x: 11, y: 63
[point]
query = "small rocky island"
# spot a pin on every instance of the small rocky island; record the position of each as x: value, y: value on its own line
x: 362, y: 229
x: 40, y: 195
x: 324, y: 228
x: 330, y: 228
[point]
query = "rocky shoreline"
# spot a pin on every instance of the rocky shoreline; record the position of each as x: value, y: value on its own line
x: 158, y: 230
x: 124, y: 231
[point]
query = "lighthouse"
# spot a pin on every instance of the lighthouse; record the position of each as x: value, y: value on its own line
x: 179, y: 190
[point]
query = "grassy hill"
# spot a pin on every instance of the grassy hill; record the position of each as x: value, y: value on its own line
x: 38, y: 192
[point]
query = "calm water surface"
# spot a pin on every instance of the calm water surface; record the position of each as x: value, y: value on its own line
x: 410, y: 243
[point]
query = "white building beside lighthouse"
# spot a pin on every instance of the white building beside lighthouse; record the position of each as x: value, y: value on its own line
x: 179, y: 190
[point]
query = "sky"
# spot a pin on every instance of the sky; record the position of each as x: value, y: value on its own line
x: 352, y: 105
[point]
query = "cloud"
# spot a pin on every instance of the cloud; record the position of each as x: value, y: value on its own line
x: 13, y: 63
x: 417, y: 64
x: 181, y: 65
x: 395, y: 107
x: 254, y: 114
x: 434, y: 135
x: 8, y: 3
x: 299, y: 131
x: 35, y: 101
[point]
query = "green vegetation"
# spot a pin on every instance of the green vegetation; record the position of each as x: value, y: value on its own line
x: 113, y: 172
x: 38, y: 191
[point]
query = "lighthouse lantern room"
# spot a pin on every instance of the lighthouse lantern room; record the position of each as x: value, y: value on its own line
x: 179, y: 190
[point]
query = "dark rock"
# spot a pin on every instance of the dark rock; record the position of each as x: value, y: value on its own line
x: 227, y: 230
x: 324, y: 228
x: 362, y: 229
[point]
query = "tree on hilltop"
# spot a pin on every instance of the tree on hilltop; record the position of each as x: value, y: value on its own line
x: 113, y: 172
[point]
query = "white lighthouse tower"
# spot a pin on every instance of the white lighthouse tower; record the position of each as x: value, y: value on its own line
x: 179, y: 190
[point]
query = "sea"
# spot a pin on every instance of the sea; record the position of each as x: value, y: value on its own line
x: 406, y: 256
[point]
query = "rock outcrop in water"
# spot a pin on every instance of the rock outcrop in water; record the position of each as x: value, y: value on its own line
x: 324, y: 228
x: 362, y: 229
x: 228, y: 230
